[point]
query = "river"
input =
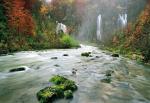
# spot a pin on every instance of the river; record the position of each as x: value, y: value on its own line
x: 130, y: 81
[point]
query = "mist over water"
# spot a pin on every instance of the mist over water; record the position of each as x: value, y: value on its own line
x: 115, y: 14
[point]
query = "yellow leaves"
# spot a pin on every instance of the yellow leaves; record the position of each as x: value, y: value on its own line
x: 44, y: 10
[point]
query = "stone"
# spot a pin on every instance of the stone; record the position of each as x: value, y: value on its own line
x: 56, y: 65
x: 106, y: 80
x: 73, y: 72
x: 17, y: 69
x: 58, y: 80
x: 68, y: 94
x: 97, y: 56
x: 65, y: 55
x: 63, y: 88
x: 54, y: 58
x: 46, y: 95
x: 109, y: 72
x: 86, y: 54
x: 115, y: 55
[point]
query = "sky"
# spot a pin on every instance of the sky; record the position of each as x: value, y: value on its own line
x: 48, y: 0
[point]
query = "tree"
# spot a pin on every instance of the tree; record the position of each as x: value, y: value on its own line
x: 20, y: 20
x: 3, y: 22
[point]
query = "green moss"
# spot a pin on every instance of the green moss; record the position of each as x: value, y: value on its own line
x: 68, y: 94
x: 46, y: 95
x: 62, y: 88
x: 70, y: 85
x: 58, y: 80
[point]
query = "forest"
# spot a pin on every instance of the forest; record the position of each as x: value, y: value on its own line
x: 74, y: 51
x: 32, y: 26
x: 27, y: 25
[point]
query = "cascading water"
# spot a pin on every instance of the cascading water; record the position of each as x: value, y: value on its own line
x: 122, y: 19
x: 99, y: 24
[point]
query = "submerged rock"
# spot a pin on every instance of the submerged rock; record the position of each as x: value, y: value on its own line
x: 54, y: 58
x: 86, y: 54
x: 65, y: 55
x: 56, y: 65
x: 109, y: 72
x: 74, y: 71
x: 97, y: 56
x: 115, y: 55
x: 106, y: 80
x: 63, y: 89
x: 18, y: 69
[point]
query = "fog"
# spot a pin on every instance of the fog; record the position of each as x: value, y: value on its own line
x: 110, y: 11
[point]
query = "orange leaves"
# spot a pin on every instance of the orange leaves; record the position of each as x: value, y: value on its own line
x: 140, y: 33
x: 44, y: 10
x: 19, y: 18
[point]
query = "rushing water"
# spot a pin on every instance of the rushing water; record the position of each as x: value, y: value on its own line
x: 99, y: 24
x: 122, y: 20
x: 130, y: 81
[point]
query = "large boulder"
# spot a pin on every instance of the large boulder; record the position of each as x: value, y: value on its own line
x: 23, y: 68
x: 63, y: 88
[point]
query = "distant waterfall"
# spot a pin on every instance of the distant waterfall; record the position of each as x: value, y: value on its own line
x: 122, y: 19
x: 99, y: 24
x: 61, y: 28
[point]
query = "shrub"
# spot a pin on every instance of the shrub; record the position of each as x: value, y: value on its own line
x: 68, y: 42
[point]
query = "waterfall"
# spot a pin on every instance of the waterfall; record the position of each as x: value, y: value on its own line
x: 122, y: 19
x: 61, y: 28
x: 99, y: 24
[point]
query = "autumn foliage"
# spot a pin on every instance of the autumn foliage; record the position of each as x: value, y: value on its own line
x: 141, y: 32
x: 19, y: 17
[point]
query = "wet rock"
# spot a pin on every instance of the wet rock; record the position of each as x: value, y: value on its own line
x: 3, y: 52
x: 49, y: 94
x: 86, y: 54
x: 106, y: 80
x: 68, y: 84
x: 63, y: 88
x: 10, y: 54
x: 92, y: 59
x: 115, y: 55
x: 97, y: 56
x: 54, y: 58
x: 18, y: 69
x: 68, y: 94
x: 56, y: 65
x: 74, y: 69
x: 109, y: 72
x: 65, y: 55
x: 73, y: 72
x: 58, y: 80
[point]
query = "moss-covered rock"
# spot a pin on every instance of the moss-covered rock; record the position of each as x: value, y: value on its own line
x: 106, y: 80
x: 63, y: 88
x: 46, y: 95
x: 58, y: 80
x: 68, y: 94
x: 70, y: 85
x: 86, y: 54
